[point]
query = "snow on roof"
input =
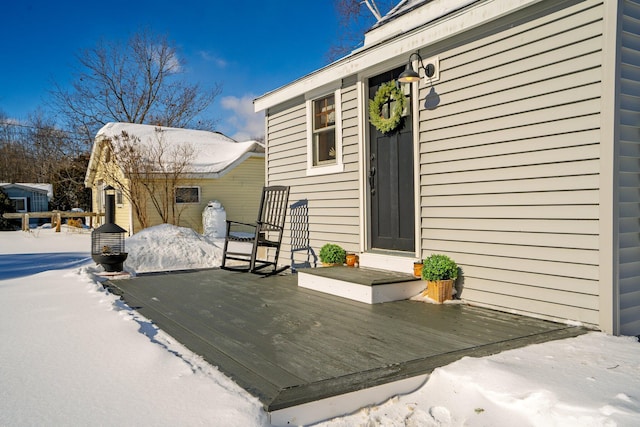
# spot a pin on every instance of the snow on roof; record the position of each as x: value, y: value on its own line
x: 215, y: 153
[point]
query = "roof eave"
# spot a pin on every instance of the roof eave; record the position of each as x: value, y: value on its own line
x: 396, y: 47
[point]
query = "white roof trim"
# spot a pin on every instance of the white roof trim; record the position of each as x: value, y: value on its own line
x: 399, y: 47
x: 426, y: 12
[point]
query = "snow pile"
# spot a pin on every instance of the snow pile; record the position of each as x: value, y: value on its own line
x: 167, y: 247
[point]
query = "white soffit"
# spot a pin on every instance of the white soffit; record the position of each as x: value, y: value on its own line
x: 399, y: 47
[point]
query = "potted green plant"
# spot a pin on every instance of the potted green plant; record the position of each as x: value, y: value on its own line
x: 332, y: 254
x: 440, y: 272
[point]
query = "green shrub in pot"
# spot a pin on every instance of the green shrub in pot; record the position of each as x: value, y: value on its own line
x: 332, y: 254
x: 439, y: 267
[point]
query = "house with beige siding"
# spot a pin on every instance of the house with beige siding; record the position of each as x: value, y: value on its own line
x: 518, y: 152
x: 219, y: 168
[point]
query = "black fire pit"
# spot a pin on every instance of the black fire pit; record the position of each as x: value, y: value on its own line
x: 107, y: 241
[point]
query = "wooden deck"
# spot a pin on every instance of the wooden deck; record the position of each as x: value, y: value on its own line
x: 290, y: 346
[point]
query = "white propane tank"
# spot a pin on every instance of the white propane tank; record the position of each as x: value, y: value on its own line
x: 214, y: 220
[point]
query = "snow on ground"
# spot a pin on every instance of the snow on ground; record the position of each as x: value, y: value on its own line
x: 591, y: 380
x: 73, y: 354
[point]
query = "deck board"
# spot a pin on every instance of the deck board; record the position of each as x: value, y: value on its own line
x: 288, y: 345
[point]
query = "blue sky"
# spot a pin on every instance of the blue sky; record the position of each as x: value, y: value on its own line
x: 251, y: 47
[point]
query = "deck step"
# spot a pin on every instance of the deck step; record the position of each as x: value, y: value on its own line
x: 368, y: 285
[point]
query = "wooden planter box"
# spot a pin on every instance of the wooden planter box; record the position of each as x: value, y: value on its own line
x: 440, y: 290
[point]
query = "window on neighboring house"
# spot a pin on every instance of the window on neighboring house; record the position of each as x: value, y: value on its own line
x: 119, y: 200
x: 99, y: 196
x: 19, y: 204
x: 187, y: 195
x: 324, y: 142
x: 107, y: 153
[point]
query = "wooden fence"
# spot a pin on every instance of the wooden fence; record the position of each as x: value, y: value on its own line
x: 55, y: 216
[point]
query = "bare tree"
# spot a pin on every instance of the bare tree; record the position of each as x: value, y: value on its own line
x: 15, y: 155
x: 124, y: 167
x: 148, y: 171
x: 69, y: 190
x: 169, y: 164
x: 37, y: 151
x: 51, y: 148
x: 355, y: 18
x: 136, y: 82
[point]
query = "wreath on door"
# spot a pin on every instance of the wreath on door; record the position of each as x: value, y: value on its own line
x: 387, y: 92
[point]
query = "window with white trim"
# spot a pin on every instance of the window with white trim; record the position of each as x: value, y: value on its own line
x: 324, y: 131
x: 19, y: 204
x: 186, y: 195
x: 324, y: 142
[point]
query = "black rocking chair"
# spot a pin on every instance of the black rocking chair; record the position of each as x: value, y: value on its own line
x: 265, y: 233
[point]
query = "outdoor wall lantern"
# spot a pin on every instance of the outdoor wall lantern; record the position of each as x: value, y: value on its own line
x: 410, y: 75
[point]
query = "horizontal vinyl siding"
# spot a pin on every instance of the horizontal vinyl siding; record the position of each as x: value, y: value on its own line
x: 123, y: 215
x: 509, y: 165
x: 238, y: 191
x: 629, y: 175
x: 334, y: 210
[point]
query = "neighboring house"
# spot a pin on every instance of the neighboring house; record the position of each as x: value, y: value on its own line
x: 222, y: 169
x: 29, y: 197
x: 519, y: 157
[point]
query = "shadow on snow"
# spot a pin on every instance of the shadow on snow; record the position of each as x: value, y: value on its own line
x: 19, y: 265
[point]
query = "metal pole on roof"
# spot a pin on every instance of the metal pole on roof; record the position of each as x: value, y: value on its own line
x: 371, y: 4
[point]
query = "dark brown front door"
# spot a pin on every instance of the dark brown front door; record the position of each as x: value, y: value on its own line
x: 391, y: 180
